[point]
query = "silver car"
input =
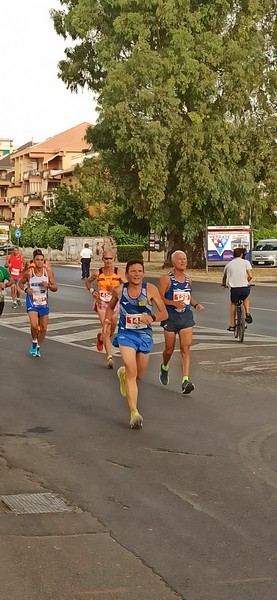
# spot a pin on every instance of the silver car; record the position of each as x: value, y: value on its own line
x: 265, y: 253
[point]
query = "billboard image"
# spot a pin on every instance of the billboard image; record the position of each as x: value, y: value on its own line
x: 221, y: 242
x: 4, y: 234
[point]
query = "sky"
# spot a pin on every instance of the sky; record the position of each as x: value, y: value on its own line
x: 34, y: 103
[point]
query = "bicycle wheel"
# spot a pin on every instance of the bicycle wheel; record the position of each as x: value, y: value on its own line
x: 241, y: 325
x: 236, y: 331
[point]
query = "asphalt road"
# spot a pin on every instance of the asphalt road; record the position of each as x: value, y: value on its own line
x: 193, y: 494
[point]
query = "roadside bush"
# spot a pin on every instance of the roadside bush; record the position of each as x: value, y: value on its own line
x: 56, y: 235
x: 264, y: 233
x: 39, y: 235
x: 123, y: 238
x: 94, y: 227
x: 129, y: 252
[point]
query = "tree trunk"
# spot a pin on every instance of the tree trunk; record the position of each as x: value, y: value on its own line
x: 194, y: 251
x: 174, y: 242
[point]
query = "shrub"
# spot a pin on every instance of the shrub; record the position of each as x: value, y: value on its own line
x: 264, y: 233
x: 127, y: 238
x: 39, y: 235
x: 128, y: 252
x: 56, y: 235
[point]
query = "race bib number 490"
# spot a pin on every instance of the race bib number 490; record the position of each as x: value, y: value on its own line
x: 134, y: 322
x: 39, y: 299
x: 181, y: 295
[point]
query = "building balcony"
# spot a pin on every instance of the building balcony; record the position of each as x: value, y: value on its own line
x: 31, y: 173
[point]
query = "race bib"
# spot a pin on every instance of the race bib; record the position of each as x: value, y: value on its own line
x: 105, y: 296
x: 15, y: 272
x: 39, y: 299
x: 134, y: 322
x: 182, y: 295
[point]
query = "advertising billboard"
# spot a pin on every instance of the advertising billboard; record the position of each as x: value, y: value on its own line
x: 4, y: 234
x: 221, y: 242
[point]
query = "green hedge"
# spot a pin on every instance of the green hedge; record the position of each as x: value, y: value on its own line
x: 129, y: 252
x: 264, y: 233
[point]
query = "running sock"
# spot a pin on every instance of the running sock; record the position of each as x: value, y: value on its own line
x: 134, y: 412
x: 185, y: 378
x: 165, y: 367
x: 35, y: 343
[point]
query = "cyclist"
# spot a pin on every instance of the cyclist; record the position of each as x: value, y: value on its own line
x: 237, y: 275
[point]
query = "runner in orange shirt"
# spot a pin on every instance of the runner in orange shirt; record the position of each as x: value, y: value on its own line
x: 108, y: 277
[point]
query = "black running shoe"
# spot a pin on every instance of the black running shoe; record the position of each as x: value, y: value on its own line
x: 187, y: 387
x: 163, y: 376
x: 248, y: 318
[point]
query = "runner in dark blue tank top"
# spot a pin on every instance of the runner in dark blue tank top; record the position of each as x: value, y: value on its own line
x: 134, y: 336
x: 175, y: 290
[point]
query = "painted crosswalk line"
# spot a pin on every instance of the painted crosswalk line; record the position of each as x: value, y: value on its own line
x: 80, y: 330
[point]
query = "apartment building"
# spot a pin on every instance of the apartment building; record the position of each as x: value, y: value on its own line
x: 38, y: 170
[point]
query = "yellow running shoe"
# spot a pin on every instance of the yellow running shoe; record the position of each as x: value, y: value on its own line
x: 121, y: 377
x: 136, y: 420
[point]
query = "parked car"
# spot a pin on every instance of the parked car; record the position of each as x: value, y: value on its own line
x: 6, y: 249
x: 265, y: 253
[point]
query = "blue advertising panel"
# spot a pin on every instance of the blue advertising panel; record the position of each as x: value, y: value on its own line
x: 221, y: 242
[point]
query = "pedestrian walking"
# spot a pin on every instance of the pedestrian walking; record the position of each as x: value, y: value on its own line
x: 85, y: 257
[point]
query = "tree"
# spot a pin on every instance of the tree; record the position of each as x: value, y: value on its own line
x: 68, y: 210
x: 186, y: 126
x: 34, y: 230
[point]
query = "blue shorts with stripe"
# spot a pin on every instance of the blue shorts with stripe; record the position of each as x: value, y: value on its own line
x: 132, y: 339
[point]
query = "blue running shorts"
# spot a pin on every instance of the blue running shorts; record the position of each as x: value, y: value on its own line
x: 133, y: 339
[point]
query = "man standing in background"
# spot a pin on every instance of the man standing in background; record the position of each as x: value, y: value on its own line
x: 85, y: 256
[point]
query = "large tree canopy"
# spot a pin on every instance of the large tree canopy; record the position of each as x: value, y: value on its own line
x: 185, y: 91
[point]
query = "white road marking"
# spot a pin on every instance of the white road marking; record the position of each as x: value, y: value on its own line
x: 265, y: 309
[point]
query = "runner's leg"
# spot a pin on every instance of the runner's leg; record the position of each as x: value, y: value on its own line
x: 185, y: 337
x: 130, y: 362
x: 33, y: 317
x: 169, y: 339
x: 43, y: 322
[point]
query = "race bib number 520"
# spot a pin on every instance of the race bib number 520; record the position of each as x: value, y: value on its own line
x: 134, y: 322
x: 181, y: 295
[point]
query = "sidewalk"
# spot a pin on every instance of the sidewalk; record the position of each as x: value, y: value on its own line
x: 64, y: 556
x: 214, y: 274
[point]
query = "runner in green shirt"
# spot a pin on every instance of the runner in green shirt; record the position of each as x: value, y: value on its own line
x: 6, y: 280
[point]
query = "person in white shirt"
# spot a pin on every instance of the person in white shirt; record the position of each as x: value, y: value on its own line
x: 237, y: 275
x: 85, y: 256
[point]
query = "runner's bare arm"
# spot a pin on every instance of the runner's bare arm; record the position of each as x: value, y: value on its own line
x: 52, y: 286
x: 24, y: 283
x: 110, y: 309
x: 6, y: 284
x: 94, y: 275
x: 164, y: 285
x: 154, y: 294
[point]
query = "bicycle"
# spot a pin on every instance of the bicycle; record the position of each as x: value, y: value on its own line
x: 239, y: 321
x: 239, y: 328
